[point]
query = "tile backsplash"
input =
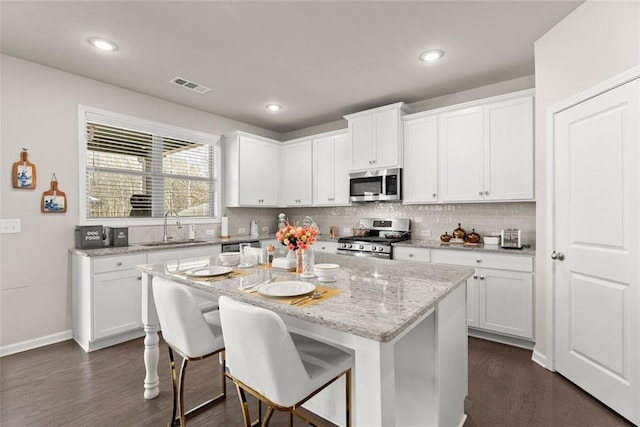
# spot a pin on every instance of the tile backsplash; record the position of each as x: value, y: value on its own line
x: 427, y: 221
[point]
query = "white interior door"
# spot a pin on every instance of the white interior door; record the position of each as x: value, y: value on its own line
x: 597, y: 262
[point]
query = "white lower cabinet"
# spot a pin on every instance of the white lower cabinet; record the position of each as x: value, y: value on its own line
x: 325, y: 247
x: 503, y: 302
x: 411, y: 254
x: 107, y: 294
x: 106, y: 299
x: 500, y: 292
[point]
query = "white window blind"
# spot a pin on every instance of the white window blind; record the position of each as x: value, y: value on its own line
x: 136, y: 169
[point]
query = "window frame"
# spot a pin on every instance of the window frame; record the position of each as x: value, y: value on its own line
x: 89, y: 114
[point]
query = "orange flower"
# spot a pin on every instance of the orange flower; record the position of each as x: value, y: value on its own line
x: 296, y: 237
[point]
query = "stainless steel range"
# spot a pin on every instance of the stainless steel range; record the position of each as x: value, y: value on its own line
x: 375, y: 236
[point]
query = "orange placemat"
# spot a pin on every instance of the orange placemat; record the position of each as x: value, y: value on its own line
x: 326, y: 293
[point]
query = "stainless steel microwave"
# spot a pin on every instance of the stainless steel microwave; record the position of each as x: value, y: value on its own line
x: 378, y: 185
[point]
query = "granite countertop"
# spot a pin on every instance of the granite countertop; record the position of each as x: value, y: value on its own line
x: 144, y: 246
x: 379, y: 298
x: 496, y: 249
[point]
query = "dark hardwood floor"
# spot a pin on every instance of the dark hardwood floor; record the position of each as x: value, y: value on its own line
x: 61, y: 385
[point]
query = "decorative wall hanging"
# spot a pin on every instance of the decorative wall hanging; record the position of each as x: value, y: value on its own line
x: 53, y: 200
x: 24, y: 173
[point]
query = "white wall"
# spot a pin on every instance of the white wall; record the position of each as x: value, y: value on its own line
x: 597, y: 41
x: 39, y: 108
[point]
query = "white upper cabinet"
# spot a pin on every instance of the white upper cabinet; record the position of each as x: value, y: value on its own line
x: 508, y: 150
x: 461, y: 151
x: 297, y: 174
x: 376, y: 137
x: 486, y: 151
x: 331, y: 165
x: 420, y: 173
x: 252, y: 170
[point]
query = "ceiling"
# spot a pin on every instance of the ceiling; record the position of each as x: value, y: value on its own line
x: 320, y: 60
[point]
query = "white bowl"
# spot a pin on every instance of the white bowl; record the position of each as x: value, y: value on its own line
x: 491, y: 240
x: 326, y: 272
x: 230, y: 258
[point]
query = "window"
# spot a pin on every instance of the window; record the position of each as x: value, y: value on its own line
x: 136, y: 169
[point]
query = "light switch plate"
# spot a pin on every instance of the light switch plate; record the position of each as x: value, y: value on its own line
x: 242, y: 230
x: 425, y: 233
x: 9, y: 226
x: 210, y: 232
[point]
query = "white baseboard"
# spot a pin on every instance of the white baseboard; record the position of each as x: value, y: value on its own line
x: 502, y: 339
x: 35, y: 343
x: 539, y: 358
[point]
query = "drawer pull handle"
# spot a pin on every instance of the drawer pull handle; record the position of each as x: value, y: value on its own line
x: 478, y: 260
x: 119, y: 263
x: 139, y: 277
x: 475, y: 276
x: 481, y: 277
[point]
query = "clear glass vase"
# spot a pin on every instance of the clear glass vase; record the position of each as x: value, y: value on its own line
x: 308, y: 260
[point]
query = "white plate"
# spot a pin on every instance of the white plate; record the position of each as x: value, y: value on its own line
x: 286, y: 289
x: 208, y: 271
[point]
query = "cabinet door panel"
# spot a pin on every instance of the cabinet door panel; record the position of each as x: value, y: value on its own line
x: 472, y: 302
x: 342, y: 166
x: 323, y: 171
x: 259, y: 173
x: 461, y: 155
x: 362, y: 134
x: 506, y: 302
x: 420, y: 173
x: 116, y: 302
x: 508, y: 152
x: 386, y: 139
x: 305, y: 173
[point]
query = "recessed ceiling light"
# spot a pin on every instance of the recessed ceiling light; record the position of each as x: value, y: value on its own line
x: 273, y: 107
x: 102, y: 44
x: 431, y: 55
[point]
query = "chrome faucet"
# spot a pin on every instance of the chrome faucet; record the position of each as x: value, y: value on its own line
x: 165, y: 238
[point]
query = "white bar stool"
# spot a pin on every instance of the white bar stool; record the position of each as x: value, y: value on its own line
x: 194, y: 335
x: 283, y: 370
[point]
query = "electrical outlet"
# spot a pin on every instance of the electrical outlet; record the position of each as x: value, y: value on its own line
x: 346, y: 230
x: 210, y: 232
x: 9, y: 226
x: 425, y: 233
x: 242, y: 230
x: 265, y: 229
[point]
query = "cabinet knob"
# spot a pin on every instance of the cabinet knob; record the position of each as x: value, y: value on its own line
x: 486, y: 193
x: 475, y: 276
x: 410, y: 255
x: 478, y: 260
x: 481, y: 277
x: 479, y: 193
x: 119, y: 263
x: 139, y: 277
x: 434, y: 195
x: 557, y: 255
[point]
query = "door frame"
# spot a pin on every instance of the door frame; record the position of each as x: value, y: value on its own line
x: 550, y: 231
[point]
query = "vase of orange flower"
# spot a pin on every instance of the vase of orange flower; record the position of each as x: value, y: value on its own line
x: 299, y: 239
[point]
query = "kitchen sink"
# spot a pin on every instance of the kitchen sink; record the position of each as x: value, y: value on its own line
x: 172, y: 243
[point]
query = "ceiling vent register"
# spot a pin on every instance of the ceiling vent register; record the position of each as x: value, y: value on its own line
x: 190, y: 85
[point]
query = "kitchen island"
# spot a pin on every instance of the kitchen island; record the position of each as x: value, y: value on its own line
x: 404, y: 323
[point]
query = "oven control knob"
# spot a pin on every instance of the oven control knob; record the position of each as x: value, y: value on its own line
x: 374, y: 248
x: 381, y: 249
x: 349, y: 245
x: 361, y: 247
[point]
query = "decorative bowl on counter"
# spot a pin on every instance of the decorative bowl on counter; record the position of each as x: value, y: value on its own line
x: 326, y: 272
x: 229, y: 258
